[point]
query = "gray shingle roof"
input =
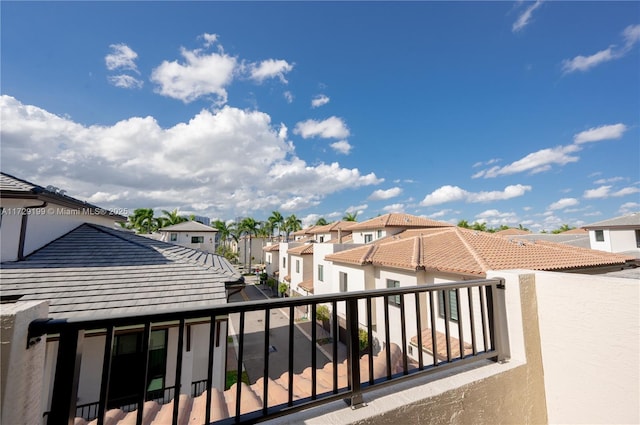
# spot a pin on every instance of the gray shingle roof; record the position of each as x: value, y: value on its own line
x: 631, y: 220
x: 97, y: 271
x: 10, y: 183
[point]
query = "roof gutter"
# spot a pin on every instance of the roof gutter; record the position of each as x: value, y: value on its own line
x: 23, y: 228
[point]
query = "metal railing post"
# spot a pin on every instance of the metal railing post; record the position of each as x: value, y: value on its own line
x: 65, y: 385
x: 500, y: 328
x: 353, y: 354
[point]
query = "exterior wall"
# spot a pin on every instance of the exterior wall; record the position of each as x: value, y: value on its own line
x: 305, y: 271
x: 590, y: 333
x: 184, y: 239
x: 284, y: 259
x: 600, y: 246
x: 271, y: 261
x: 320, y: 251
x: 254, y: 251
x: 624, y: 241
x: 359, y: 235
x: 43, y: 225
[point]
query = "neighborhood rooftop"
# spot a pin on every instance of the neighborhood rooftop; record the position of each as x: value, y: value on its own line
x: 94, y: 270
x: 631, y: 220
x: 397, y: 220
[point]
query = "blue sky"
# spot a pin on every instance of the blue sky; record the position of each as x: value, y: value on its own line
x: 498, y: 112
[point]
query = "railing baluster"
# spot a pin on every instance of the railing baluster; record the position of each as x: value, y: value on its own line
x: 434, y: 336
x: 472, y: 322
x: 291, y: 348
x: 265, y: 383
x: 403, y: 329
x: 419, y: 330
x: 65, y: 385
x: 314, y: 349
x: 387, y: 337
x: 209, y: 389
x: 145, y: 349
x: 106, y: 374
x: 353, y: 350
x: 178, y: 378
x: 240, y: 362
x: 490, y: 298
x: 370, y: 339
x: 460, y: 325
x: 483, y: 316
x: 336, y: 337
x: 447, y: 318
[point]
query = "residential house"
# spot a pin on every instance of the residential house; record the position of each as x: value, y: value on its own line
x: 250, y: 250
x: 302, y: 235
x: 388, y: 225
x: 301, y: 269
x: 32, y: 216
x: 330, y: 232
x: 619, y: 234
x: 271, y: 259
x: 93, y: 271
x: 190, y: 234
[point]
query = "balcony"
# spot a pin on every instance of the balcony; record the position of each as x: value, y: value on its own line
x: 452, y: 334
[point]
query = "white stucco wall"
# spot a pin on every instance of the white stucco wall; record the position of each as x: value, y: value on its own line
x: 305, y: 271
x: 590, y: 334
x: 184, y: 239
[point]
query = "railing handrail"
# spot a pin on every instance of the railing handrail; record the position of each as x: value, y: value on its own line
x: 40, y: 327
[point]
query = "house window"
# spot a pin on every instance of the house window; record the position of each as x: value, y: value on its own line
x: 368, y: 238
x: 599, y: 235
x: 197, y: 239
x: 453, y: 304
x: 638, y: 238
x: 343, y: 282
x: 320, y: 272
x: 127, y: 367
x: 174, y: 237
x: 393, y: 299
x: 297, y: 266
x: 379, y: 234
x: 284, y: 262
x: 321, y: 239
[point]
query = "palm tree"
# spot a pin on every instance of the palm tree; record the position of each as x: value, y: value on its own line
x: 249, y: 226
x: 464, y: 224
x: 482, y: 227
x: 321, y: 222
x: 563, y: 228
x: 292, y: 224
x: 277, y: 221
x: 171, y: 218
x: 224, y: 231
x: 143, y: 221
x: 521, y: 227
x: 350, y: 216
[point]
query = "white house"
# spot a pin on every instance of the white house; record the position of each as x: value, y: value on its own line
x: 388, y: 225
x: 271, y: 259
x: 620, y: 234
x: 190, y: 234
x: 335, y: 231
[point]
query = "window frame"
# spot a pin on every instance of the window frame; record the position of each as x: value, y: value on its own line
x: 343, y: 281
x: 599, y: 235
x: 297, y: 266
x: 453, y: 305
x: 368, y: 237
x: 393, y: 300
x: 173, y: 237
x: 320, y: 273
x: 197, y: 239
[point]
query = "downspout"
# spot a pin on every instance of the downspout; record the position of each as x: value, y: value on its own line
x: 23, y: 228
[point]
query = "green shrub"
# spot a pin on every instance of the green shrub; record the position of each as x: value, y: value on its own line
x: 283, y: 288
x: 363, y: 337
x: 322, y: 312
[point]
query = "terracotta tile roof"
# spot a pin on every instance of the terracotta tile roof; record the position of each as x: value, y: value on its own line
x: 305, y: 249
x: 512, y: 232
x: 345, y: 239
x: 469, y: 252
x: 303, y: 232
x: 331, y: 227
x: 441, y: 345
x: 578, y: 231
x: 272, y: 248
x: 307, y: 285
x: 397, y: 220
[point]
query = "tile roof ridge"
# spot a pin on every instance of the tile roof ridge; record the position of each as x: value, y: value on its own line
x: 474, y: 253
x: 368, y: 255
x: 417, y: 253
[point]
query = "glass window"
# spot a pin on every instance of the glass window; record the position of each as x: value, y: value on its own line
x: 599, y: 235
x: 284, y: 262
x: 638, y: 238
x: 453, y: 304
x: 197, y: 239
x: 321, y: 239
x: 320, y: 272
x: 297, y: 266
x: 393, y: 299
x: 174, y: 237
x: 379, y: 234
x: 368, y: 237
x: 343, y: 282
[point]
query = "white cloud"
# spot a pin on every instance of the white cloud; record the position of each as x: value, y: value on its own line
x: 122, y: 57
x: 209, y: 39
x: 319, y: 100
x: 332, y: 127
x: 441, y: 213
x: 342, y: 147
x: 604, y: 132
x: 288, y: 96
x: 525, y: 17
x: 535, y: 162
x: 601, y: 192
x: 394, y: 208
x: 125, y: 81
x: 489, y: 162
x: 270, y: 68
x: 380, y: 194
x: 448, y: 193
x: 200, y: 165
x: 625, y: 191
x: 609, y: 180
x: 563, y: 203
x: 629, y: 207
x: 201, y: 74
x: 630, y: 35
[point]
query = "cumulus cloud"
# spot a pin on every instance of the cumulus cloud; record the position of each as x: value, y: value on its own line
x: 394, y: 208
x: 604, y: 132
x: 270, y: 68
x: 609, y: 180
x: 288, y: 96
x: 122, y: 57
x: 525, y: 17
x: 332, y: 127
x: 606, y: 192
x: 629, y: 207
x: 200, y: 74
x: 630, y: 36
x: 449, y: 193
x: 319, y: 100
x: 535, y: 162
x: 380, y: 194
x: 125, y: 81
x: 342, y: 147
x: 193, y: 165
x: 563, y: 203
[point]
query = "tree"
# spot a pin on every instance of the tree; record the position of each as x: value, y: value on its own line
x: 350, y: 216
x: 321, y: 222
x: 482, y: 227
x: 563, y: 228
x: 521, y: 227
x: 249, y: 227
x: 143, y: 220
x: 225, y: 232
x: 276, y: 220
x: 171, y: 218
x: 292, y: 224
x: 464, y: 224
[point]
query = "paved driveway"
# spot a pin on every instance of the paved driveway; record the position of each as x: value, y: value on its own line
x: 253, y: 355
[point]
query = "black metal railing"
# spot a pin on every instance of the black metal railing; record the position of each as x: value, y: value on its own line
x: 413, y: 321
